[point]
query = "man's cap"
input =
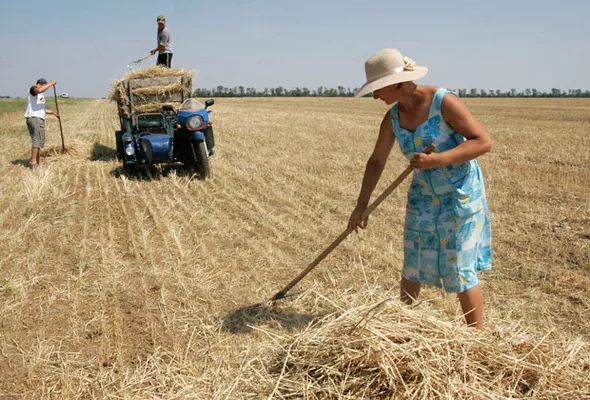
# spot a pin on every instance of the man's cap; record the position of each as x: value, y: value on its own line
x: 41, y: 81
x: 161, y: 18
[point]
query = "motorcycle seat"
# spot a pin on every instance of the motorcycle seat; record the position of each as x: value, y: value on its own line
x: 149, y: 124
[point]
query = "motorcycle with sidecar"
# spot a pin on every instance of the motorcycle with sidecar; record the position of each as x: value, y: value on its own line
x: 169, y: 135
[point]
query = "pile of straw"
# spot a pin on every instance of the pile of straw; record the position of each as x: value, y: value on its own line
x: 392, y: 351
x: 152, y: 97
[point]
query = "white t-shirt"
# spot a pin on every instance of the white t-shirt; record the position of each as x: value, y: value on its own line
x: 164, y: 40
x: 35, y: 106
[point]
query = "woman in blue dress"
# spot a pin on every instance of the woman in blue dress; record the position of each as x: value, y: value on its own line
x: 447, y: 236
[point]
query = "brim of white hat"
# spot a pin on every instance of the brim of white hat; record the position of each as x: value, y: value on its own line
x: 396, y: 77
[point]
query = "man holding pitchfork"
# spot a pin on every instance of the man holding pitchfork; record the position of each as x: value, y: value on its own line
x: 35, y: 117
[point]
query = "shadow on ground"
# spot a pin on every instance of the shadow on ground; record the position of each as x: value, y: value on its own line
x: 154, y: 172
x: 21, y: 161
x: 101, y: 152
x: 244, y: 319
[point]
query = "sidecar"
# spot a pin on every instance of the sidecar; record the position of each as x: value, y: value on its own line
x: 168, y: 135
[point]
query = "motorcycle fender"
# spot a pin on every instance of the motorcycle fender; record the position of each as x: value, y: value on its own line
x: 198, y: 136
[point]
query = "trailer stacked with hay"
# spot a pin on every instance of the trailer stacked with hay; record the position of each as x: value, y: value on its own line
x: 160, y: 122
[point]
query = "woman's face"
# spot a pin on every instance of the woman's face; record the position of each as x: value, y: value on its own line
x: 389, y: 94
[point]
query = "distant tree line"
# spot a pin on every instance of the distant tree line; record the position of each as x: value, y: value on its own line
x: 340, y: 91
x: 523, y: 93
x: 241, y: 91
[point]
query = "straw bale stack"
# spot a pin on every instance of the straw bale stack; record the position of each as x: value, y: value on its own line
x: 148, y: 89
x: 391, y: 351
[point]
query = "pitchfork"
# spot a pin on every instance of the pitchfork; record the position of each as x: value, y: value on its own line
x: 137, y: 63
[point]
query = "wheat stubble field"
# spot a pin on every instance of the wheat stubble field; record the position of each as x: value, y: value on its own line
x: 127, y: 287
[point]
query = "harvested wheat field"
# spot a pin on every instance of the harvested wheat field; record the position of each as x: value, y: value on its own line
x: 130, y: 287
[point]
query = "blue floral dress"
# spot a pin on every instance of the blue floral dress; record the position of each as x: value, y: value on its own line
x: 447, y: 234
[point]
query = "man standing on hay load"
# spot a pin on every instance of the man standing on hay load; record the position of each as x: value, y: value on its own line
x: 164, y: 48
x: 35, y: 117
x: 447, y: 235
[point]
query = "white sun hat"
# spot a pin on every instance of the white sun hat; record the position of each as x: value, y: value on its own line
x: 387, y: 67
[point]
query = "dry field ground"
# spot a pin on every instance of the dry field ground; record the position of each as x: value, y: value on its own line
x: 127, y: 287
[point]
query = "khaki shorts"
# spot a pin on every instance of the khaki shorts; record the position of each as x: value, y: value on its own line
x: 36, y: 127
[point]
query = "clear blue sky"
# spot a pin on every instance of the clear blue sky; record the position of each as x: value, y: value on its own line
x: 500, y: 44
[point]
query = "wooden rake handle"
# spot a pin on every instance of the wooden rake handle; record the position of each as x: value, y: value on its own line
x: 282, y: 293
x: 61, y: 131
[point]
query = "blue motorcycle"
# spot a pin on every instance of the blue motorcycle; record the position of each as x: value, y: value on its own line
x: 168, y: 136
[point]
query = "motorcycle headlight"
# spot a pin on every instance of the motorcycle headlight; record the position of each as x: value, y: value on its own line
x: 130, y: 150
x: 194, y: 122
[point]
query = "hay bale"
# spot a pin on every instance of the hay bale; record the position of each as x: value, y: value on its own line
x: 389, y: 350
x: 155, y: 71
x: 147, y: 89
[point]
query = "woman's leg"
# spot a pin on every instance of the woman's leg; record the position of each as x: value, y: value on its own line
x: 409, y: 291
x: 472, y: 306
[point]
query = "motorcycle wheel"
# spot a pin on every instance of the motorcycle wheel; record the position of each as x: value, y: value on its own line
x: 202, y: 165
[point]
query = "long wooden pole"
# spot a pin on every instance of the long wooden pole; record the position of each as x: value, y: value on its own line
x: 280, y: 294
x: 63, y: 146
